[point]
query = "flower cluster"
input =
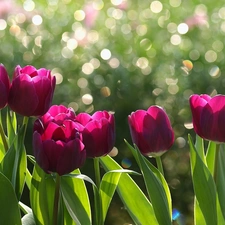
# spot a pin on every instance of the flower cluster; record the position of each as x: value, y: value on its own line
x: 61, y: 139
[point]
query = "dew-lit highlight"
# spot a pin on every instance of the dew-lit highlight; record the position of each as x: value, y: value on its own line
x: 175, y: 214
x: 126, y: 163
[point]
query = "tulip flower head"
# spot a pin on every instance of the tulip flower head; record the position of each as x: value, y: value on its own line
x: 4, y: 86
x: 151, y: 131
x: 208, y: 115
x: 98, y: 133
x: 31, y: 91
x: 57, y: 141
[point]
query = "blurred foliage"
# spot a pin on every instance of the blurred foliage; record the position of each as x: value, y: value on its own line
x: 124, y: 55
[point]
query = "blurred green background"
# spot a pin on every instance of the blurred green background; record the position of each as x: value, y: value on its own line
x: 124, y: 55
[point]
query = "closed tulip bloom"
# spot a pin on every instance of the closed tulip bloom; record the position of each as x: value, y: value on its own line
x: 57, y: 142
x: 31, y: 91
x: 98, y: 133
x: 4, y: 86
x: 208, y: 115
x: 151, y: 131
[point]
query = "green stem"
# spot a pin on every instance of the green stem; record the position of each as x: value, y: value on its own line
x: 98, y: 201
x: 159, y: 164
x: 216, y: 162
x: 56, y: 201
x: 2, y: 133
x: 97, y: 171
x: 19, y: 150
x: 25, y: 123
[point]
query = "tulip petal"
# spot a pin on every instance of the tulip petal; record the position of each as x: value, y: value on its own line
x: 44, y: 91
x: 39, y: 152
x: 213, y: 118
x: 53, y: 151
x: 83, y: 118
x: 72, y: 157
x: 22, y: 96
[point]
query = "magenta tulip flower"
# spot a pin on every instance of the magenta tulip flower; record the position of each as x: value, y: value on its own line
x: 31, y: 91
x: 57, y: 141
x: 151, y: 131
x: 208, y: 115
x: 98, y: 133
x: 4, y: 86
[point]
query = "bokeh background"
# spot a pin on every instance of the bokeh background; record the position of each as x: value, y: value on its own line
x: 124, y: 55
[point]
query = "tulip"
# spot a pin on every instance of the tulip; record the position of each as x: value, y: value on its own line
x: 208, y: 115
x: 151, y: 131
x: 57, y: 141
x: 31, y: 91
x: 98, y: 133
x: 4, y: 86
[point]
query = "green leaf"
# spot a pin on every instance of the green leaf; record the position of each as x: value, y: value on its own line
x: 26, y: 209
x: 42, y: 196
x: 198, y: 216
x: 161, y: 179
x: 75, y: 197
x: 220, y: 178
x: 11, y: 124
x: 204, y: 186
x: 9, y: 213
x: 136, y: 203
x: 28, y: 219
x: 14, y: 166
x: 108, y: 186
x: 155, y: 190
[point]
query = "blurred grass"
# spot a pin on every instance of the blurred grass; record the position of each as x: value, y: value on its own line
x: 124, y: 55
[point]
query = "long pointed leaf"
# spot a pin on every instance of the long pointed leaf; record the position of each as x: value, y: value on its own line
x: 42, y: 196
x: 204, y: 186
x: 156, y: 193
x: 157, y: 174
x: 137, y: 205
x: 9, y: 213
x: 108, y: 186
x: 75, y: 197
x: 220, y: 179
x: 14, y: 165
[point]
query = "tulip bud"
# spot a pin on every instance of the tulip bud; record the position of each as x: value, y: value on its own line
x: 151, y: 131
x: 4, y: 86
x: 57, y: 141
x: 31, y: 91
x: 208, y: 115
x: 98, y: 133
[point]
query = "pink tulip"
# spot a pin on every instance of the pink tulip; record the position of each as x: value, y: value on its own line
x: 208, y: 115
x: 151, y: 131
x: 4, y: 86
x: 98, y: 133
x: 57, y: 141
x: 31, y: 91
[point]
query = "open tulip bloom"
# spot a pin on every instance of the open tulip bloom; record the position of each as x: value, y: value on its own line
x: 57, y: 141
x: 62, y: 141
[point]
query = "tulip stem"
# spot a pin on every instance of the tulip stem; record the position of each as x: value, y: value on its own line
x: 97, y: 171
x: 56, y: 201
x: 216, y: 162
x: 159, y: 164
x: 98, y: 201
x: 5, y: 144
